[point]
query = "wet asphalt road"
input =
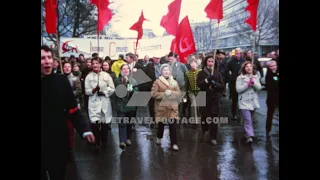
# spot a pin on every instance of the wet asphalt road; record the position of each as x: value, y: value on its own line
x: 231, y: 159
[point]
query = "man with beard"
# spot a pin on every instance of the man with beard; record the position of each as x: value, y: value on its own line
x: 57, y: 105
x: 232, y: 70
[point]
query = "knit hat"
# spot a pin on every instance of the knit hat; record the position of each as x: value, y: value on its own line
x: 165, y: 65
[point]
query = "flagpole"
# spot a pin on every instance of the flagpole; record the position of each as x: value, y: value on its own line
x: 42, y: 24
x: 58, y: 40
x: 135, y: 49
x: 58, y: 49
x: 215, y: 48
x: 253, y: 46
x: 98, y: 43
x: 98, y: 32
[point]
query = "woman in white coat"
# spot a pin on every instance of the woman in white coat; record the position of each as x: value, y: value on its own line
x: 247, y: 85
x: 99, y: 87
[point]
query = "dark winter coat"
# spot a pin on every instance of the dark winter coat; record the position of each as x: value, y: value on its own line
x: 234, y: 66
x: 58, y: 104
x: 212, y: 95
x: 121, y: 102
x: 272, y: 87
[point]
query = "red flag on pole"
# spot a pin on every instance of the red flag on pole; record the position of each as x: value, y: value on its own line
x: 138, y: 27
x: 51, y: 16
x: 214, y: 10
x: 184, y: 40
x: 253, y: 10
x: 104, y: 13
x: 170, y: 22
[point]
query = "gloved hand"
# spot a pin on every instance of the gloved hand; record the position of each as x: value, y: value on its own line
x: 101, y: 93
x: 218, y: 86
x: 97, y: 88
x: 211, y: 77
x: 167, y: 92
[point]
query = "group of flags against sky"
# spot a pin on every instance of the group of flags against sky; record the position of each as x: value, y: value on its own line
x: 183, y: 44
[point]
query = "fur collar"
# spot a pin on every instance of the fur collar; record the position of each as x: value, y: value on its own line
x: 169, y: 82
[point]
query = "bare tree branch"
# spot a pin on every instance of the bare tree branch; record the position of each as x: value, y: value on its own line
x: 267, y: 25
x: 76, y: 18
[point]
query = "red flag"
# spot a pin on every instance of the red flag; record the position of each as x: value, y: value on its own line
x: 214, y: 10
x: 138, y: 27
x: 104, y: 13
x: 173, y: 47
x: 253, y: 10
x: 51, y: 16
x: 184, y: 40
x: 170, y: 22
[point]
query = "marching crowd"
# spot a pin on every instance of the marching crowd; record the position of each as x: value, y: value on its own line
x: 96, y: 85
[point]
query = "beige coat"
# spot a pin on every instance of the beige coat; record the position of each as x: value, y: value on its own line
x: 165, y: 107
x: 247, y: 96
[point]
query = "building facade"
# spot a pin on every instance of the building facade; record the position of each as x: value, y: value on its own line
x: 234, y: 32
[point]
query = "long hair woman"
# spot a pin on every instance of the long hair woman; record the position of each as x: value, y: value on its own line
x: 210, y: 81
x: 106, y: 67
x: 129, y: 85
x: 247, y: 86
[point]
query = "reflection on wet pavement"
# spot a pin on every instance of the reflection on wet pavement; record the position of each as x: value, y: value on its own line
x: 231, y: 159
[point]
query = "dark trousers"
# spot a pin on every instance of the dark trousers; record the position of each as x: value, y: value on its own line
x: 172, y: 131
x: 271, y: 109
x: 125, y: 128
x: 100, y: 131
x: 56, y: 173
x: 71, y: 134
x: 207, y: 124
x: 86, y: 102
x: 234, y: 97
x: 151, y: 108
